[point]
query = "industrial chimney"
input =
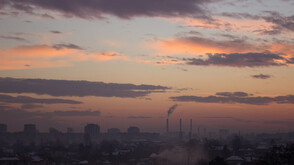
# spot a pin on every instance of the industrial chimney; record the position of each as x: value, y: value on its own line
x: 190, y: 133
x: 167, y: 125
x: 180, y: 125
x: 180, y: 133
x: 190, y: 125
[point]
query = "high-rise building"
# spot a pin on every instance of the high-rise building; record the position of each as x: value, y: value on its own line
x: 54, y: 131
x: 30, y: 129
x: 70, y: 130
x: 3, y: 128
x: 223, y: 133
x: 92, y: 129
x: 133, y: 130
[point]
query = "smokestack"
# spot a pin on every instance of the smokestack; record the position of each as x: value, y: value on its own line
x: 190, y: 125
x: 190, y: 133
x: 180, y: 125
x: 181, y: 133
x: 167, y: 125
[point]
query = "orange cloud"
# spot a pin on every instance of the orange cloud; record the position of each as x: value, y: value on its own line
x: 201, y: 46
x: 107, y: 56
x: 252, y: 28
x: 40, y: 51
x: 44, y: 56
x: 159, y: 62
x: 287, y: 49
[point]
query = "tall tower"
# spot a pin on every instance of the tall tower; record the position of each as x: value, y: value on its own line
x: 181, y: 133
x: 167, y: 125
x: 190, y: 133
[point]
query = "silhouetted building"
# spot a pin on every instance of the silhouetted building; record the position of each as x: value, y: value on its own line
x: 133, y: 130
x: 70, y: 130
x: 113, y: 131
x: 30, y: 129
x: 223, y: 133
x: 3, y: 128
x: 91, y: 132
x: 53, y: 131
x: 92, y: 129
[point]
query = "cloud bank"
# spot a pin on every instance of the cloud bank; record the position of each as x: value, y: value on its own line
x: 27, y: 99
x: 240, y: 60
x: 261, y: 76
x: 236, y: 97
x: 125, y: 9
x: 56, y: 55
x: 77, y: 88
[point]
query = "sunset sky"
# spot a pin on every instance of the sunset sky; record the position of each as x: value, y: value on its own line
x: 120, y: 63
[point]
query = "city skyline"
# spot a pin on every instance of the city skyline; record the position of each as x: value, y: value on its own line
x: 226, y: 64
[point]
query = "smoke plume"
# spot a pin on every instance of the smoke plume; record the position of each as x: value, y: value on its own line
x: 171, y: 109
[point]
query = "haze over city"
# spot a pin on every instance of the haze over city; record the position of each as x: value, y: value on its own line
x: 226, y: 64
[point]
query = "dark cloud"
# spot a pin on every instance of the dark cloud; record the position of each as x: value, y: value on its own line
x: 139, y: 117
x: 230, y: 98
x: 31, y: 106
x: 265, y: 59
x: 27, y: 99
x: 67, y: 45
x: 290, y: 60
x: 229, y: 36
x: 14, y: 38
x: 232, y: 94
x: 55, y: 32
x: 45, y: 16
x: 261, y: 76
x: 4, y: 106
x: 125, y: 9
x: 241, y: 15
x: 190, y: 33
x: 236, y: 43
x: 273, y: 31
x: 286, y: 22
x: 76, y: 88
x: 280, y: 22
